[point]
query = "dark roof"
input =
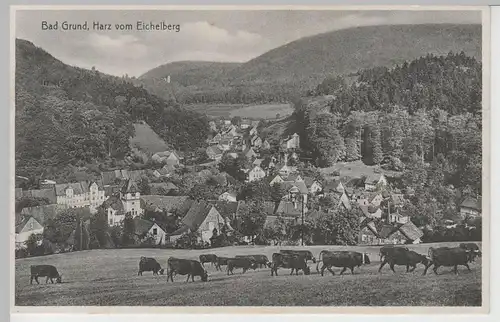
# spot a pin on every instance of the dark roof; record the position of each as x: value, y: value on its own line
x: 472, y: 203
x: 130, y: 187
x: 332, y: 185
x: 225, y: 208
x: 142, y: 226
x: 301, y: 186
x: 49, y: 194
x: 308, y: 181
x: 213, y: 150
x: 410, y: 231
x: 387, y: 230
x: 168, y: 203
x: 167, y: 186
x: 43, y: 213
x: 196, y: 214
x: 78, y: 188
x: 373, y: 178
x: 287, y: 208
x: 397, y: 199
x: 113, y: 202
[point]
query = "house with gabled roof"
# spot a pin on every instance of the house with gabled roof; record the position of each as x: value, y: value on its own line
x: 368, y: 234
x: 166, y: 204
x: 334, y: 186
x: 43, y: 213
x: 24, y: 229
x: 149, y: 229
x: 276, y: 180
x: 295, y: 191
x: 127, y: 201
x: 470, y: 207
x: 202, y: 218
x: 256, y: 173
x: 256, y: 141
x: 313, y: 185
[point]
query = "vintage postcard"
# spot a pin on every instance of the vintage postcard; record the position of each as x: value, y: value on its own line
x: 264, y: 159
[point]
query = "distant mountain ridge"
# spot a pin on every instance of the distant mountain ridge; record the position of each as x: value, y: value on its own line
x: 304, y: 63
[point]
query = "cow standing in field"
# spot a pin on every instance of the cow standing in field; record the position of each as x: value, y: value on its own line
x: 260, y: 260
x: 208, y: 258
x: 188, y: 267
x: 403, y: 256
x: 389, y: 249
x: 221, y: 261
x: 294, y: 261
x: 48, y: 271
x: 244, y: 263
x: 148, y: 264
x: 344, y: 259
x: 448, y: 257
x: 306, y: 253
x: 473, y: 249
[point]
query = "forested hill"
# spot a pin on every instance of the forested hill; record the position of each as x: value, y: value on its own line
x: 69, y: 116
x: 427, y: 111
x: 300, y: 65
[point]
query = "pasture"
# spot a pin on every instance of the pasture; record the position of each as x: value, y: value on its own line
x: 109, y: 277
x: 253, y: 111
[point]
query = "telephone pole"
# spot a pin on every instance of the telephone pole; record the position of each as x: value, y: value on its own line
x: 302, y: 230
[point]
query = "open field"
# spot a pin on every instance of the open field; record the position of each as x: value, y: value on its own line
x: 265, y: 111
x: 355, y: 169
x: 109, y: 277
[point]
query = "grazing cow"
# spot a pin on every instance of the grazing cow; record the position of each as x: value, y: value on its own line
x: 344, y: 259
x: 473, y: 248
x: 294, y: 261
x: 307, y: 254
x: 221, y: 261
x: 261, y: 260
x: 245, y: 263
x: 188, y: 267
x: 148, y: 264
x: 388, y: 249
x: 402, y: 256
x: 446, y: 256
x: 208, y: 258
x: 48, y: 271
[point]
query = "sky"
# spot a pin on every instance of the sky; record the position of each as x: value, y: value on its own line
x: 222, y: 35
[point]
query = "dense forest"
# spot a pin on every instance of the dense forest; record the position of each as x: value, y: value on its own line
x: 422, y: 118
x: 71, y: 116
x: 295, y: 68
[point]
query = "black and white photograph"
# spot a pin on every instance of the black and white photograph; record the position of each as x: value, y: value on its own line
x: 249, y: 157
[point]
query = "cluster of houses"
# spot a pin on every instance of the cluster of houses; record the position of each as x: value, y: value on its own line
x: 117, y: 193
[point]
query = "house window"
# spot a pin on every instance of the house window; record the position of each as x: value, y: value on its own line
x: 111, y: 222
x: 155, y: 231
x: 133, y: 203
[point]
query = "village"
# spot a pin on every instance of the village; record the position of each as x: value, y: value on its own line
x: 117, y: 193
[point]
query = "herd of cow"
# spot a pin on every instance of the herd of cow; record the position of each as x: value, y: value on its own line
x: 296, y: 260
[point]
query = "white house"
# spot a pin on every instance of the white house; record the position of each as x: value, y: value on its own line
x: 277, y: 179
x: 129, y: 201
x: 228, y: 196
x: 256, y: 141
x: 80, y: 194
x: 293, y: 142
x: 286, y: 170
x: 256, y: 173
x: 471, y: 207
x: 25, y: 229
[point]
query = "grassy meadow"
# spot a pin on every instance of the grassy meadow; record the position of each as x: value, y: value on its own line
x: 253, y: 111
x: 109, y: 277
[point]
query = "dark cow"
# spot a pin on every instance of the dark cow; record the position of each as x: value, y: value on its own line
x: 473, y: 250
x: 307, y: 254
x: 48, y: 271
x: 221, y: 261
x: 208, y: 258
x: 403, y: 256
x: 389, y: 249
x: 244, y: 263
x: 448, y: 257
x: 345, y: 259
x: 260, y: 260
x: 188, y: 267
x: 148, y: 264
x: 294, y: 261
